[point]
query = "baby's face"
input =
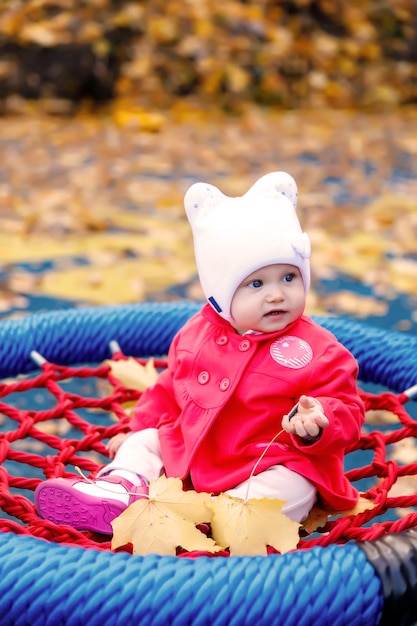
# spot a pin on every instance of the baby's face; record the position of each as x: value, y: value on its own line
x: 268, y: 299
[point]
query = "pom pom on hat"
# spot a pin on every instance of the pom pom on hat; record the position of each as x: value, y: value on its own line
x: 234, y: 237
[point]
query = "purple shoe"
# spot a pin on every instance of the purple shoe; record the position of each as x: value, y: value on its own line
x: 58, y: 501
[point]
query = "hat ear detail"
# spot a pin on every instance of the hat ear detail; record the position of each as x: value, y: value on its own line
x: 302, y: 245
x: 201, y: 198
x: 274, y: 184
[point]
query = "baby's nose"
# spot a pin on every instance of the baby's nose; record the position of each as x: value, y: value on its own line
x: 275, y: 295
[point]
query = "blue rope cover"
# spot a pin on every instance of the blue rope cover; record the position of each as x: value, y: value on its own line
x: 83, y: 335
x: 45, y: 584
x: 42, y: 583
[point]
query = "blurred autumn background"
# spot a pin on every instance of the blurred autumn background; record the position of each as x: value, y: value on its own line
x: 109, y: 110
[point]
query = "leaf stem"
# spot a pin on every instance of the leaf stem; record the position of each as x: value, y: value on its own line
x: 259, y: 460
x: 94, y: 482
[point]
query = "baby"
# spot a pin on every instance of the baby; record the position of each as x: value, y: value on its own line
x: 246, y: 367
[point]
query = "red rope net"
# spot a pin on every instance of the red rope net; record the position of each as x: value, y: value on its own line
x: 61, y: 418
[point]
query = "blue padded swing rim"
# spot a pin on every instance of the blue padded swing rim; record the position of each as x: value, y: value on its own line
x: 45, y: 583
x: 42, y: 584
x: 73, y: 336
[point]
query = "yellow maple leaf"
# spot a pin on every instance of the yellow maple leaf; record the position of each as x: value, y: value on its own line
x: 134, y: 375
x: 135, y: 118
x: 319, y: 516
x: 363, y: 504
x: 247, y: 527
x: 164, y: 521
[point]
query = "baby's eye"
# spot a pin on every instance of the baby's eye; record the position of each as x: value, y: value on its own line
x: 255, y: 284
x: 289, y: 277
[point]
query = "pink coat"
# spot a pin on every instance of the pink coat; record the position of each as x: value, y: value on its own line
x: 222, y: 398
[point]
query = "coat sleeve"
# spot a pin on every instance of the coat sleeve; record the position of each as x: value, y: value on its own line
x: 334, y: 385
x: 157, y: 404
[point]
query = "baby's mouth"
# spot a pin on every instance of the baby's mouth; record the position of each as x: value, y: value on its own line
x: 275, y: 313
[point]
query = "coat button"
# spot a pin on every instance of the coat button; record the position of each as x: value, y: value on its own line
x: 244, y: 345
x: 222, y: 340
x: 224, y: 384
x: 203, y: 377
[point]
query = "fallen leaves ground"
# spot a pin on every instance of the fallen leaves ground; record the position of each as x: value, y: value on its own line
x: 311, y: 53
x: 91, y: 207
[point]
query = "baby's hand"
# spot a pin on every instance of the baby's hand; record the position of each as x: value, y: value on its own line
x: 307, y: 421
x: 115, y: 443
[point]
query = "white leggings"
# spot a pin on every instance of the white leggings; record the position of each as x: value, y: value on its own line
x: 140, y: 453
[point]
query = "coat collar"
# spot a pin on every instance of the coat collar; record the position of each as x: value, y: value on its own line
x: 211, y: 316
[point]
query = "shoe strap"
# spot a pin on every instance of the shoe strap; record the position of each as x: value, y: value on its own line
x: 135, y: 491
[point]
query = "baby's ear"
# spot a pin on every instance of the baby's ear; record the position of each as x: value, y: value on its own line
x: 201, y: 198
x: 274, y: 184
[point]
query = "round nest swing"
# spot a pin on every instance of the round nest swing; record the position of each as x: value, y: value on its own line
x: 359, y: 569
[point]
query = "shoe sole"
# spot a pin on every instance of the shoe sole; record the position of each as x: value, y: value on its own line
x: 62, y: 504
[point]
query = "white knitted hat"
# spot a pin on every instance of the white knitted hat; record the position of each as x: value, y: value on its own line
x: 233, y: 237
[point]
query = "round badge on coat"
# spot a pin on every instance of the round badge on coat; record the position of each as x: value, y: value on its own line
x: 291, y: 352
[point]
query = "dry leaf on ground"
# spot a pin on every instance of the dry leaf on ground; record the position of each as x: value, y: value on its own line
x: 132, y: 374
x: 381, y: 416
x: 318, y: 516
x: 164, y: 521
x: 363, y: 504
